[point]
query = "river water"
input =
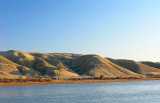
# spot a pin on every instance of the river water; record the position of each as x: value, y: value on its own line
x: 109, y: 92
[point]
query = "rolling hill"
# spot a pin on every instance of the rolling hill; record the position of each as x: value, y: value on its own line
x: 136, y: 67
x: 94, y: 65
x: 15, y: 64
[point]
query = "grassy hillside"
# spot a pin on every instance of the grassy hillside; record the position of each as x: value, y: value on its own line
x: 15, y: 63
x: 136, y: 67
x: 95, y: 65
x: 152, y: 64
x: 9, y: 68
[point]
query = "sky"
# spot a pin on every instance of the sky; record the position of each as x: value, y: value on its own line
x: 120, y: 29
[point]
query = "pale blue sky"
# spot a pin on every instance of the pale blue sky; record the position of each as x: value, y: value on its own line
x: 125, y: 29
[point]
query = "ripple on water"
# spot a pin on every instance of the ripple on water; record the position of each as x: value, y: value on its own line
x: 113, y: 92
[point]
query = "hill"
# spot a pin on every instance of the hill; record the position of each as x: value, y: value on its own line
x: 136, y: 67
x: 94, y: 65
x: 152, y: 64
x: 48, y: 64
x: 19, y: 57
x: 10, y: 68
x: 15, y: 63
x: 22, y: 63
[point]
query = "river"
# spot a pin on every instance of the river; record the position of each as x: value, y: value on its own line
x: 109, y: 92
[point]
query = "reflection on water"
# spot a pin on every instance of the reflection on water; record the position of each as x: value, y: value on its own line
x: 114, y: 92
x: 11, y: 91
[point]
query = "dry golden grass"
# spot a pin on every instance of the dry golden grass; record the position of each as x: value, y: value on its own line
x: 152, y: 64
x: 95, y: 65
x: 27, y: 63
x: 12, y: 69
x: 137, y: 67
x: 16, y: 63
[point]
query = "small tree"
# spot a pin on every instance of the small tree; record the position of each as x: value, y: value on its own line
x: 20, y: 79
x: 48, y: 78
x: 102, y: 76
x: 28, y: 77
x: 36, y: 75
x: 40, y: 78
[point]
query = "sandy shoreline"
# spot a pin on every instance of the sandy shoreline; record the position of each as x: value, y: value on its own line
x: 74, y: 81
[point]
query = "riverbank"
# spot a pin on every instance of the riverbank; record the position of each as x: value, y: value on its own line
x: 74, y: 81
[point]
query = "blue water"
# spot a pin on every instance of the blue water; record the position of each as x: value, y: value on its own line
x: 113, y: 92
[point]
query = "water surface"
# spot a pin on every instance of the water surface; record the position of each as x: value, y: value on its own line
x: 112, y: 92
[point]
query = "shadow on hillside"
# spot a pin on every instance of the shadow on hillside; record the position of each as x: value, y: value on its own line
x: 128, y: 64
